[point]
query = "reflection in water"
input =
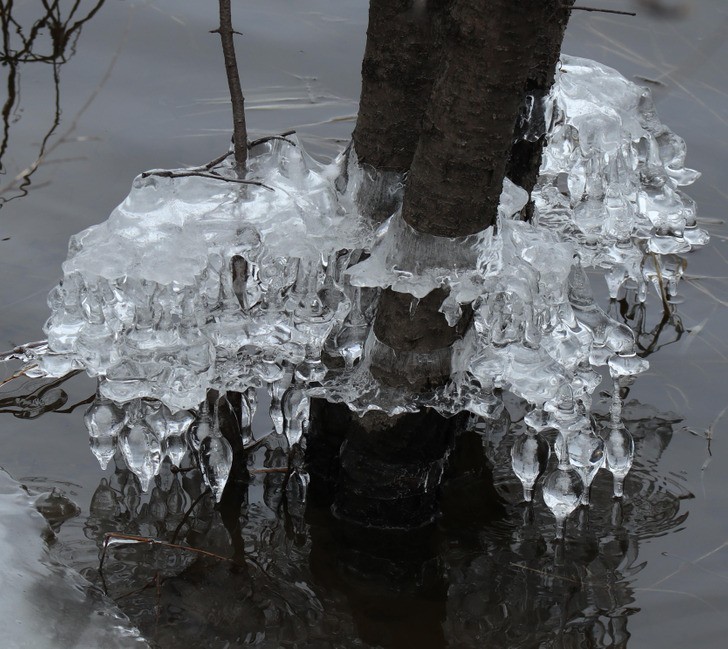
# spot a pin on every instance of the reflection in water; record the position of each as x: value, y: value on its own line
x: 488, y: 574
x: 267, y: 567
x: 40, y: 399
x: 647, y: 334
x: 51, y: 39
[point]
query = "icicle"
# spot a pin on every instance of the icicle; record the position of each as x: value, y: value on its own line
x: 215, y: 456
x: 529, y: 456
x: 586, y: 455
x: 202, y: 428
x: 295, y: 409
x: 142, y: 452
x: 104, y: 421
x: 619, y: 450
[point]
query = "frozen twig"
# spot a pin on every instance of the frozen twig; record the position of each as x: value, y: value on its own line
x: 268, y: 138
x: 203, y: 174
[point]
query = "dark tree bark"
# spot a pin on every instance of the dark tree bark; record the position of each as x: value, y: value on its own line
x: 490, y: 52
x: 529, y: 138
x: 491, y: 59
x: 400, y: 61
x: 493, y: 53
x: 240, y: 131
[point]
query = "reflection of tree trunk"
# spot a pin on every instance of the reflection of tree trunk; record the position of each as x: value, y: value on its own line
x: 490, y: 58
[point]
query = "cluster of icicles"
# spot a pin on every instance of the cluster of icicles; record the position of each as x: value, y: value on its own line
x: 145, y: 432
x: 198, y: 281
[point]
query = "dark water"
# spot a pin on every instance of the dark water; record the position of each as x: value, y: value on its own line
x: 144, y: 87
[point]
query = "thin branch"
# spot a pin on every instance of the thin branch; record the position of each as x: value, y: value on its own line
x: 605, y: 11
x: 268, y: 138
x: 216, y: 161
x: 240, y: 131
x: 146, y: 540
x: 278, y: 469
x: 17, y: 374
x: 202, y: 174
x: 197, y: 500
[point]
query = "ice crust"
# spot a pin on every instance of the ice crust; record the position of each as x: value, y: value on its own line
x: 47, y: 605
x: 194, y: 283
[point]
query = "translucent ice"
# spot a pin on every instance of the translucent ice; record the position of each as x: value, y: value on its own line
x: 611, y: 173
x: 201, y: 281
x: 48, y: 605
x: 529, y: 455
x: 563, y: 488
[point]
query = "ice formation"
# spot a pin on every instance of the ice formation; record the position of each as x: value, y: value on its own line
x: 194, y: 283
x: 47, y: 605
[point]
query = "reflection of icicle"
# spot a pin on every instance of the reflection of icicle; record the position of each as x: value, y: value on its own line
x: 562, y: 488
x: 618, y: 444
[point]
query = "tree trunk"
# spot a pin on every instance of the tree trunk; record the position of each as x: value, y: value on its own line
x: 400, y: 61
x: 490, y: 59
x: 491, y: 56
x: 397, y: 73
x: 529, y: 137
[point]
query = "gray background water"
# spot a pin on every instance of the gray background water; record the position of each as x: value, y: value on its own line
x: 156, y: 85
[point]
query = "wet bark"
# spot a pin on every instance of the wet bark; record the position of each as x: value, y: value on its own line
x: 425, y: 331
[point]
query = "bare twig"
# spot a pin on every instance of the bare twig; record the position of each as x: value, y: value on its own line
x: 19, y: 351
x: 216, y: 161
x: 661, y: 283
x: 203, y: 174
x: 278, y: 469
x: 147, y: 540
x: 240, y: 132
x: 605, y: 11
x: 16, y: 375
x: 268, y: 138
x: 197, y: 500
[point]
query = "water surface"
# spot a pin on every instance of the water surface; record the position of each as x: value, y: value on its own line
x: 145, y: 88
